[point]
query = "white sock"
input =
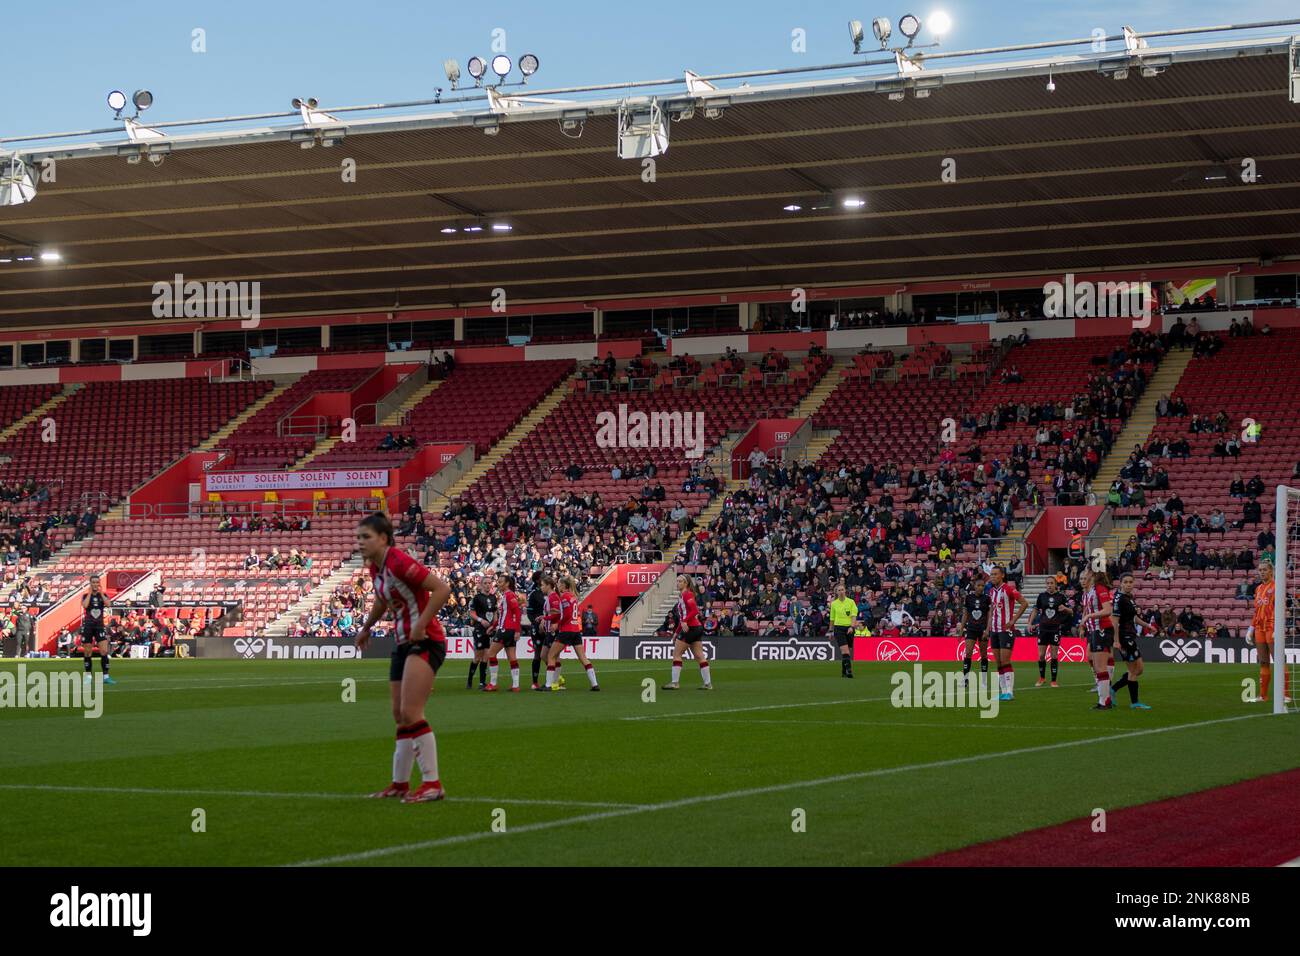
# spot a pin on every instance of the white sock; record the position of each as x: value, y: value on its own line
x: 550, y: 674
x: 705, y: 675
x: 403, y: 757
x: 426, y: 752
x: 1103, y: 687
x: 514, y: 674
x: 492, y: 673
x: 1011, y: 682
x: 677, y: 671
x: 591, y: 674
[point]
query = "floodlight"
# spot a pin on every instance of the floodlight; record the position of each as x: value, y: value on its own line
x: 447, y: 229
x: 792, y: 207
x: 476, y: 67
x: 853, y: 202
x: 17, y: 185
x: 528, y: 64
x: 882, y: 29
x: 142, y: 99
x: 51, y: 255
x: 940, y: 23
x: 452, y: 69
x: 117, y: 101
x: 501, y: 65
x: 909, y: 26
x: 856, y: 35
x: 501, y: 227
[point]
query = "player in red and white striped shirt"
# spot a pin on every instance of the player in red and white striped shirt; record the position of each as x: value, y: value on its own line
x: 690, y: 634
x: 506, y: 632
x: 568, y: 634
x: 1097, y: 628
x: 414, y: 595
x: 1006, y: 604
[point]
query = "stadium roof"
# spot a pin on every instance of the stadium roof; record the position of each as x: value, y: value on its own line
x: 1102, y: 173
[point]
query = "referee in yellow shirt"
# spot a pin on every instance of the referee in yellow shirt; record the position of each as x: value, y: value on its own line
x: 843, y: 613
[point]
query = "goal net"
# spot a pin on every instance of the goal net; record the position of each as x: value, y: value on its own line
x: 1286, y: 609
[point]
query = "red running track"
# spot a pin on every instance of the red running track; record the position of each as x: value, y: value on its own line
x: 1252, y: 823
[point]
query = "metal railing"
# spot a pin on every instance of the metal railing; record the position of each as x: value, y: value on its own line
x: 302, y: 426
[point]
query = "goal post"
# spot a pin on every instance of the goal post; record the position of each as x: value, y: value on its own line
x: 1286, y: 575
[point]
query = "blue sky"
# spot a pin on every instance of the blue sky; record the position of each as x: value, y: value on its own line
x: 60, y: 59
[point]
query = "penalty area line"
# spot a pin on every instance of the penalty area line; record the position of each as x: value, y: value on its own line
x: 749, y: 792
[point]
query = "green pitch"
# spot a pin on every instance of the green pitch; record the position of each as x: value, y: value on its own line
x: 277, y: 762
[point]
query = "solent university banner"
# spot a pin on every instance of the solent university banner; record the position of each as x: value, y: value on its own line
x: 294, y: 480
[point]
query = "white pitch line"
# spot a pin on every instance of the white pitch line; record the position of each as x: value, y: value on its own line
x: 1295, y: 862
x: 271, y: 794
x: 991, y: 723
x: 750, y: 792
x: 740, y: 710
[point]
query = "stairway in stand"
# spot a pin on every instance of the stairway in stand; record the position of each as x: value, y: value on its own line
x: 540, y: 412
x: 1142, y: 422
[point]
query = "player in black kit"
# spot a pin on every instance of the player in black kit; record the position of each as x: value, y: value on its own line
x: 482, y: 613
x: 1127, y: 625
x: 537, y: 626
x: 974, y: 627
x: 94, y: 611
x: 1049, y: 615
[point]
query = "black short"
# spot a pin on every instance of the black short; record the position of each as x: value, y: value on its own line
x: 430, y: 651
x: 481, y: 639
x: 1049, y: 637
x: 505, y: 638
x: 1100, y: 641
x: 1128, y: 649
x: 569, y: 638
x: 843, y: 635
x: 973, y: 634
x: 1002, y: 639
x: 93, y: 635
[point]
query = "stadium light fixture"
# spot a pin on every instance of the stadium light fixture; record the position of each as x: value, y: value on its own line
x: 502, y: 227
x: 856, y: 34
x: 476, y: 68
x: 792, y: 207
x: 1051, y: 83
x: 883, y: 30
x: 642, y: 130
x: 940, y: 23
x: 501, y: 65
x: 447, y: 230
x: 142, y: 99
x: 529, y: 64
x: 452, y: 69
x: 473, y: 227
x: 51, y: 255
x: 853, y: 202
x: 117, y: 101
x: 910, y: 26
x: 17, y: 184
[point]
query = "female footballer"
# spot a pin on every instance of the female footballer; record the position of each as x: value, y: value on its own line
x: 568, y: 634
x: 414, y: 595
x: 690, y: 633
